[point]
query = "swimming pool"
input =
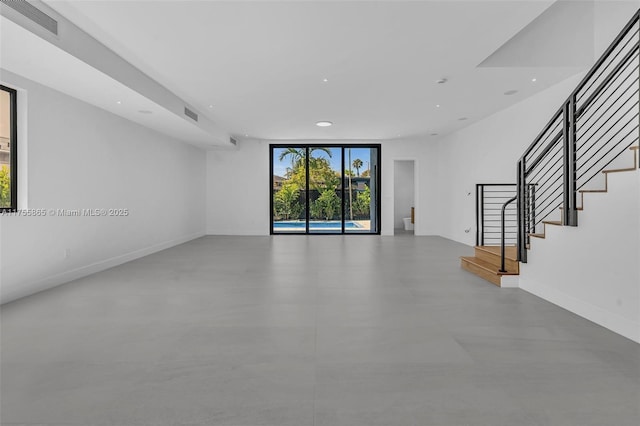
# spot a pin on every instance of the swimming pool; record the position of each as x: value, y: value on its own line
x: 331, y: 224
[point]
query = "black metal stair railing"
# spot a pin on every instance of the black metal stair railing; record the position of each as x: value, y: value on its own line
x: 599, y: 121
x: 489, y: 200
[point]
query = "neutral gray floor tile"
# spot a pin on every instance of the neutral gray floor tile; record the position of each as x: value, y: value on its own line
x: 320, y: 330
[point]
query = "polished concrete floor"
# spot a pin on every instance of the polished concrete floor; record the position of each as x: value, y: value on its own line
x: 320, y: 330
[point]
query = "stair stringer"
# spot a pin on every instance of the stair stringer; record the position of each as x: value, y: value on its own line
x: 593, y: 270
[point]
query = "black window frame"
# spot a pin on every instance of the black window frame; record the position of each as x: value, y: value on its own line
x: 13, y: 148
x: 343, y: 147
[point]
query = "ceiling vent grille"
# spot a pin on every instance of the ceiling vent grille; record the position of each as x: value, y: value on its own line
x: 233, y: 141
x: 34, y: 14
x: 192, y: 115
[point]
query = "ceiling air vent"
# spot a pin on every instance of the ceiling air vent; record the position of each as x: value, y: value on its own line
x: 34, y: 14
x: 233, y: 141
x: 192, y: 115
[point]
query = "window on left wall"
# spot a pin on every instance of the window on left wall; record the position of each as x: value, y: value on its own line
x: 8, y: 150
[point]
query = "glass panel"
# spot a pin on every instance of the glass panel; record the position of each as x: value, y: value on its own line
x: 325, y: 193
x: 360, y: 171
x: 289, y: 190
x: 5, y: 149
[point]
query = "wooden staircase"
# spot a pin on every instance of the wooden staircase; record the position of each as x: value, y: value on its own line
x: 486, y: 262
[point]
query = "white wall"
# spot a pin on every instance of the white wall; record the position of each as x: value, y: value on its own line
x: 594, y: 270
x: 238, y: 186
x: 487, y: 152
x: 403, y: 187
x: 238, y: 190
x: 79, y: 157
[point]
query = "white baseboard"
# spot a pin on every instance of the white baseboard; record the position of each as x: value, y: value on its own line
x: 28, y: 289
x: 510, y: 281
x: 609, y: 320
x: 241, y: 233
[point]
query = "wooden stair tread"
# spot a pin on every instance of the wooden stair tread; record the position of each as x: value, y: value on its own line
x: 634, y: 148
x: 538, y: 235
x: 552, y: 222
x: 577, y: 208
x: 592, y: 190
x: 510, y: 252
x: 628, y: 169
x: 483, y: 264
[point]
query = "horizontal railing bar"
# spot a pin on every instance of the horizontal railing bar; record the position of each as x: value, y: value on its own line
x: 604, y: 101
x: 544, y: 213
x: 610, y: 139
x: 553, y: 188
x: 615, y: 145
x: 535, y: 176
x: 583, y: 135
x: 591, y: 161
x: 605, y: 133
x: 608, y: 51
x: 624, y: 92
x: 555, y: 117
x: 607, y: 79
x: 492, y: 204
x: 545, y: 151
x: 544, y: 141
x: 543, y: 201
x: 603, y: 69
x: 610, y: 161
x: 552, y: 132
x: 554, y: 168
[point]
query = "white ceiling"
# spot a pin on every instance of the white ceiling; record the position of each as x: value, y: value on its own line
x: 80, y: 80
x: 261, y: 64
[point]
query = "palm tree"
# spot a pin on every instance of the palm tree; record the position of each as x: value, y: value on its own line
x: 357, y: 163
x: 298, y: 154
x: 295, y: 154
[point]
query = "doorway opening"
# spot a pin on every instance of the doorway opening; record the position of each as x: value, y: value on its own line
x: 404, y: 200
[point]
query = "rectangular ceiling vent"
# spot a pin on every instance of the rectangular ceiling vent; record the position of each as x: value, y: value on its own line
x: 233, y: 141
x: 192, y: 115
x: 34, y: 14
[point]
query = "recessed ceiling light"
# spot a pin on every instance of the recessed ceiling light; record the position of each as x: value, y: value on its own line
x: 325, y: 80
x: 145, y: 111
x: 510, y: 92
x: 441, y: 81
x: 210, y: 106
x: 534, y: 79
x: 438, y: 106
x: 118, y: 102
x: 324, y: 124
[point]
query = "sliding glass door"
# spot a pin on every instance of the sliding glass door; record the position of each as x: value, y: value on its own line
x: 325, y: 194
x: 325, y: 189
x: 361, y: 190
x: 289, y: 189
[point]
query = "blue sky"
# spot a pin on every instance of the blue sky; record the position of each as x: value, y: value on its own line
x: 364, y: 154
